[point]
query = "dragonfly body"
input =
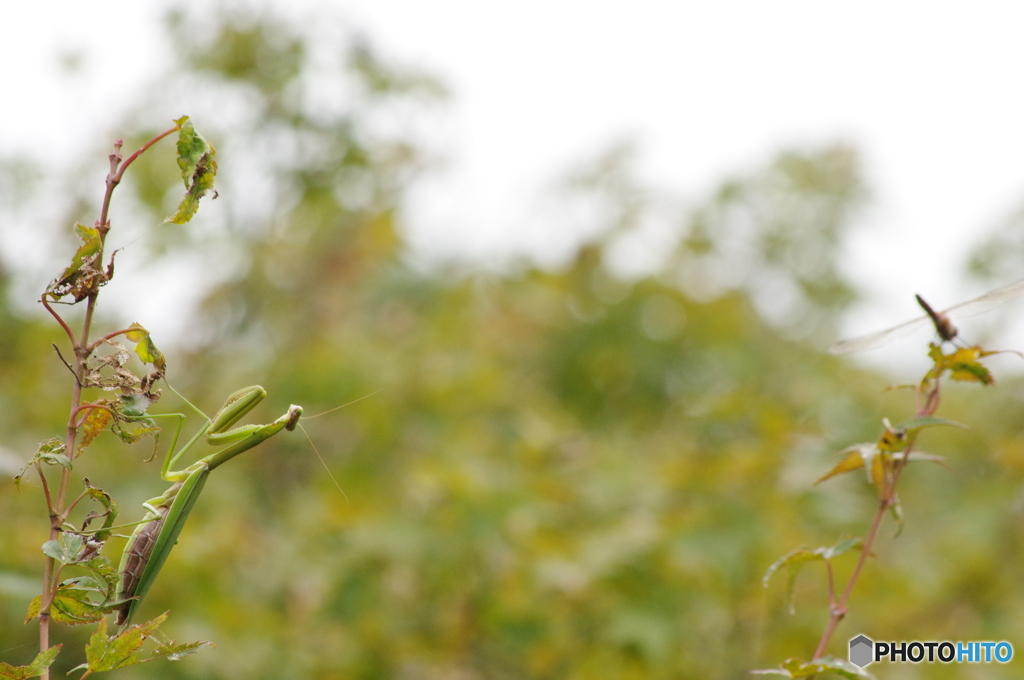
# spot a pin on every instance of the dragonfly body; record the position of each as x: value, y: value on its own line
x: 941, y: 320
x: 943, y: 326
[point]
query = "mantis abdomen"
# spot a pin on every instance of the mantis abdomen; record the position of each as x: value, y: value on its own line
x: 149, y: 546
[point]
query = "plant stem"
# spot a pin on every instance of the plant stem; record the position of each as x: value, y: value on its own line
x: 55, y: 505
x: 837, y: 610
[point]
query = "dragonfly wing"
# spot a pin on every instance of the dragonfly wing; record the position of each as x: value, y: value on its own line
x: 989, y: 300
x: 880, y: 338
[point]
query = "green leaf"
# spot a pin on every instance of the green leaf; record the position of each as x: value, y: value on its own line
x: 928, y: 421
x: 797, y: 668
x: 70, y: 607
x: 135, y: 405
x: 897, y: 514
x: 82, y: 583
x: 102, y: 567
x: 795, y: 558
x: 64, y: 550
x: 176, y: 652
x: 877, y: 463
x: 36, y: 668
x: 962, y: 364
x: 841, y: 547
x: 794, y: 561
x: 54, y: 549
x: 108, y: 653
x: 772, y: 671
x: 56, y: 459
x: 51, y: 446
x: 198, y: 170
x: 109, y: 514
x: 145, y: 347
x: 83, y: 276
x: 50, y: 452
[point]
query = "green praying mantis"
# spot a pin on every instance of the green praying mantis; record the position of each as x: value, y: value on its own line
x: 156, y: 535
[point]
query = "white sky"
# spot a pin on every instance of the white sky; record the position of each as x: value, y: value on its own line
x: 928, y: 91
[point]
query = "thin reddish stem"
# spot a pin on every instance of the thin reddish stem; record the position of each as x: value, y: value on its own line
x: 838, y: 609
x: 142, y: 150
x: 55, y: 315
x: 83, y: 349
x: 109, y: 336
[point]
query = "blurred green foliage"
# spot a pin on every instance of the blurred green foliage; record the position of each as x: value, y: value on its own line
x: 567, y: 472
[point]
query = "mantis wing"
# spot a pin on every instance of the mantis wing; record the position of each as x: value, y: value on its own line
x: 152, y: 542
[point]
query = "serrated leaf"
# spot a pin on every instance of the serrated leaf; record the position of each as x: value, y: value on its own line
x: 70, y: 607
x: 82, y: 583
x: 83, y: 276
x: 109, y: 513
x: 102, y: 653
x: 102, y: 567
x: 34, y: 669
x: 878, y: 465
x: 962, y: 364
x: 73, y: 608
x: 854, y: 460
x: 33, y: 608
x: 971, y: 372
x: 95, y: 422
x: 105, y: 653
x: 176, y: 652
x: 64, y: 551
x: 198, y: 170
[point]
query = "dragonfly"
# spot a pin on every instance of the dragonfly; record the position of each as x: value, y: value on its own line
x: 941, y: 320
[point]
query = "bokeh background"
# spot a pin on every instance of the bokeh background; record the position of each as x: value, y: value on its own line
x: 574, y: 464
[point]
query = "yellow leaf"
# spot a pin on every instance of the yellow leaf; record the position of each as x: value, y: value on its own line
x: 853, y: 461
